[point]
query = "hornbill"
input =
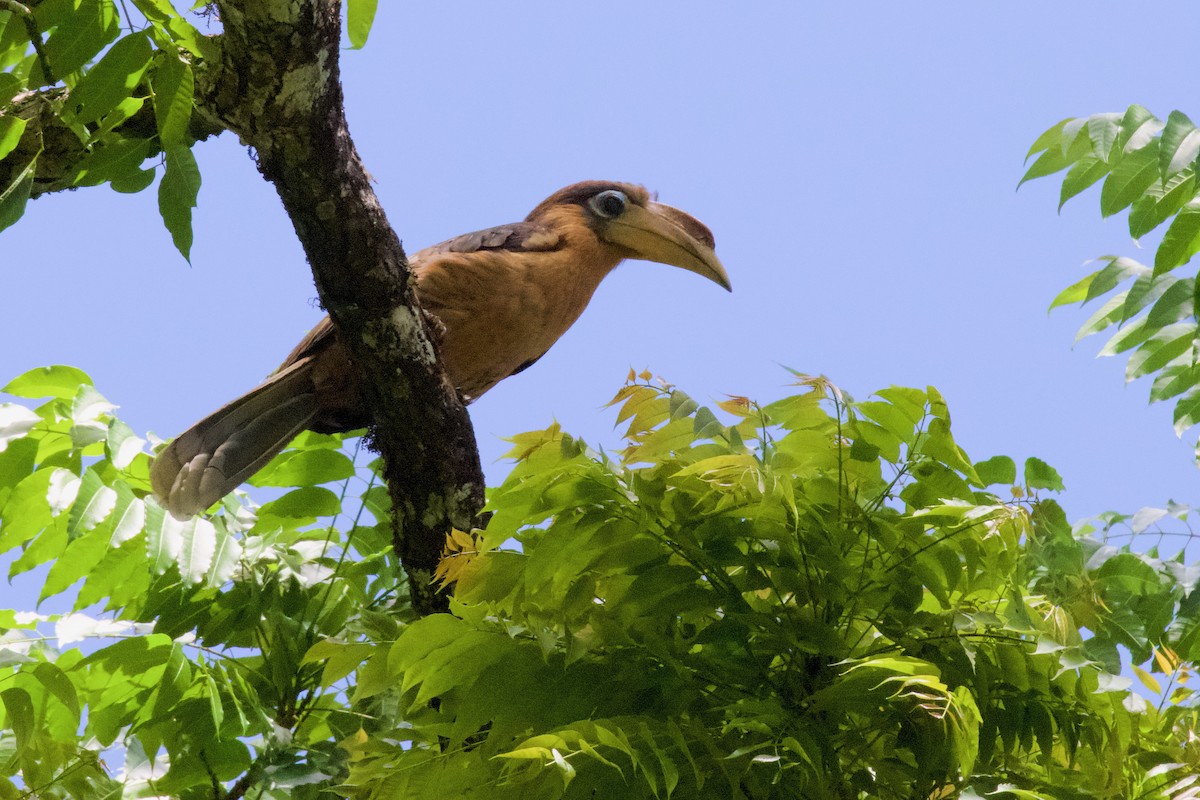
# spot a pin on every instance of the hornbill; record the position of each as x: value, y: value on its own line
x: 502, y: 296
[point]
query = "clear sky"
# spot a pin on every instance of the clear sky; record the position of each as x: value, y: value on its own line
x: 857, y: 164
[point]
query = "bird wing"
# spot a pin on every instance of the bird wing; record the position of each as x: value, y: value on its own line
x: 516, y: 237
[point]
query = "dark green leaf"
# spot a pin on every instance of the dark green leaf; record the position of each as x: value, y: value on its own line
x: 1131, y: 176
x: 177, y: 196
x: 109, y: 82
x: 1173, y: 381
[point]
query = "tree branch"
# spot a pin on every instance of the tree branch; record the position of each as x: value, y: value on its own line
x: 277, y: 86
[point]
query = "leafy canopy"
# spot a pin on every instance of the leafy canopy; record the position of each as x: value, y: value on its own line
x: 815, y: 597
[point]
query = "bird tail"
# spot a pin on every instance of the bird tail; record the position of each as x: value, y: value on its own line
x: 218, y: 453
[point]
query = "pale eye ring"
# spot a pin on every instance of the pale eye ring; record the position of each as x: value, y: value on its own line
x: 609, y: 204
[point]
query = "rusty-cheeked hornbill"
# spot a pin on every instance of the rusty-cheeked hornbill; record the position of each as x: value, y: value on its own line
x: 503, y: 296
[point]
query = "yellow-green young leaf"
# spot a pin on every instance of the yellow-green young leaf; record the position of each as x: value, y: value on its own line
x: 1179, y: 144
x: 11, y: 129
x: 360, y: 14
x: 1132, y: 176
x: 1049, y: 139
x: 58, y: 381
x: 1181, y: 240
x: 15, y: 422
x: 14, y: 196
x: 112, y: 80
x: 997, y: 469
x: 1040, y: 475
x: 173, y: 87
x: 177, y: 196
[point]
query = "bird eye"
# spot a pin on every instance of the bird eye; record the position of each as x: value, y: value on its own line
x: 609, y: 204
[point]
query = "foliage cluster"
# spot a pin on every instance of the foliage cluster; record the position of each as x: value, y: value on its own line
x: 818, y: 597
x: 1150, y: 168
x: 119, y: 82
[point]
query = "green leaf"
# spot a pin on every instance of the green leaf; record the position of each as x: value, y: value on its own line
x: 1175, y: 303
x: 360, y: 15
x: 1105, y: 316
x: 305, y: 468
x: 15, y: 422
x: 1127, y: 338
x: 177, y: 196
x: 19, y: 716
x: 1049, y: 139
x: 1138, y: 126
x: 14, y: 196
x: 112, y: 80
x: 57, y: 381
x: 81, y: 35
x: 1179, y: 144
x: 164, y: 17
x: 1055, y: 159
x: 1040, y: 475
x: 1154, y: 207
x: 1181, y: 240
x: 1083, y: 174
x: 997, y: 469
x: 111, y: 159
x: 1131, y: 176
x: 173, y: 87
x: 1160, y: 349
x: 11, y: 128
x: 1187, y: 411
x: 1104, y: 130
x: 1174, y: 381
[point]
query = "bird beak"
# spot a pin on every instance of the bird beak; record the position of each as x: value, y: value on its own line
x: 658, y: 232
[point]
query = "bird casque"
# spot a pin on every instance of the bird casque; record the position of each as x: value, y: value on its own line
x: 503, y: 296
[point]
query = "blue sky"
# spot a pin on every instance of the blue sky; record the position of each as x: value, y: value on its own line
x: 857, y: 164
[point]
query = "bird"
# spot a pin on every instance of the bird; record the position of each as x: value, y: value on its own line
x: 501, y: 297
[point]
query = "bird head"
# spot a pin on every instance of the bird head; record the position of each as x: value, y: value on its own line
x: 624, y: 216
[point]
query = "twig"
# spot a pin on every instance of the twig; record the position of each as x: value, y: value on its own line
x: 35, y: 35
